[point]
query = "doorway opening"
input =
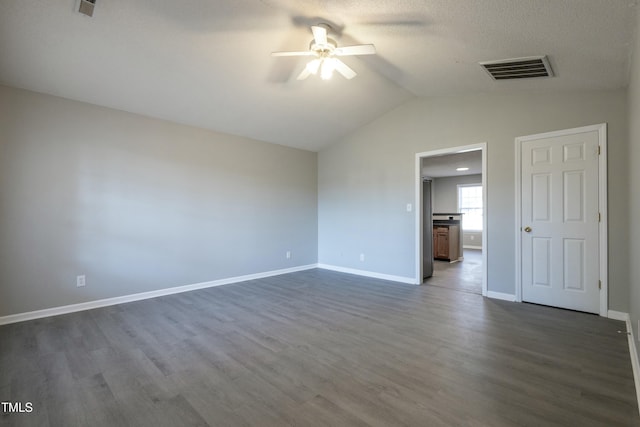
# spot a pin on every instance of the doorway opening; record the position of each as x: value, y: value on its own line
x: 451, y: 251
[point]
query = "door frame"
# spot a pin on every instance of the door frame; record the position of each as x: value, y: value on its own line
x: 418, y: 207
x: 603, y: 243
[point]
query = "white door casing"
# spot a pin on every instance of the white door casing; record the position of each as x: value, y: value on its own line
x: 418, y: 211
x: 559, y: 230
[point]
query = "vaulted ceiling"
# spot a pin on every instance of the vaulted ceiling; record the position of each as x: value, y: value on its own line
x: 207, y: 63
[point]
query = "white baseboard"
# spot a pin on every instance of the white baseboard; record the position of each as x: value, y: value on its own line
x: 471, y: 247
x: 501, y: 296
x: 55, y: 311
x: 618, y: 315
x: 633, y: 351
x: 373, y: 274
x: 635, y: 363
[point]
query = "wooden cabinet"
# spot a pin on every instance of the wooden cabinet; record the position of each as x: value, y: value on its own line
x: 446, y: 242
x: 441, y: 245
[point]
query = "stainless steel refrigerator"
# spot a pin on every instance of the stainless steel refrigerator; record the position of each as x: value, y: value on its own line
x: 427, y: 230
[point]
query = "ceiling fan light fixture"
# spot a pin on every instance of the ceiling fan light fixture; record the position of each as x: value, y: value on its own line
x: 313, y: 66
x: 327, y: 68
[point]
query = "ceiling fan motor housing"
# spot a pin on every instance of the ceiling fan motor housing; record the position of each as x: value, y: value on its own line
x: 323, y: 50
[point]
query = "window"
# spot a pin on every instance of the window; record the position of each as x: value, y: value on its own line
x: 470, y: 204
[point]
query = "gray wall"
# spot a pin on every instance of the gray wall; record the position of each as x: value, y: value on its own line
x: 445, y: 192
x: 633, y: 190
x: 366, y: 180
x: 139, y: 204
x: 445, y: 199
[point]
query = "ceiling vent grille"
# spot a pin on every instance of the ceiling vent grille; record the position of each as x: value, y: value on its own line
x: 86, y: 7
x: 518, y: 68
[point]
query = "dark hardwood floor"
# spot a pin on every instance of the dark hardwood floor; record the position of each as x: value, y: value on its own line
x: 319, y: 348
x: 465, y: 275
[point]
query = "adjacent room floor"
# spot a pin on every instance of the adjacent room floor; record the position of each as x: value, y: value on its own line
x: 319, y: 348
x: 465, y: 275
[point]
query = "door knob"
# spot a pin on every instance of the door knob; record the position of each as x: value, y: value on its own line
x: 527, y: 229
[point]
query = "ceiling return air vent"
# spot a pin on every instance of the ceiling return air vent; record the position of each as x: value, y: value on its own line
x: 518, y: 68
x: 86, y: 7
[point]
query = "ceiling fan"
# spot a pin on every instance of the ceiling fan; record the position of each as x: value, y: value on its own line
x: 326, y: 51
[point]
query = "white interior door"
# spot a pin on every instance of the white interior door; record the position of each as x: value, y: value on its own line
x: 560, y: 220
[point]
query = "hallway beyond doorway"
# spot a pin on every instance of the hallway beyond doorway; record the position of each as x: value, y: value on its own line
x: 463, y: 276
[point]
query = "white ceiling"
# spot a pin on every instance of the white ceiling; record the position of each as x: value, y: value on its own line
x: 206, y: 62
x: 446, y: 165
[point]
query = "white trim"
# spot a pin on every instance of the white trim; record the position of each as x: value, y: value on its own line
x: 418, y: 211
x: 471, y: 247
x: 635, y: 365
x: 633, y: 351
x: 602, y: 206
x: 518, y: 211
x: 55, y: 311
x: 501, y: 296
x: 485, y: 222
x: 604, y: 218
x: 618, y: 315
x: 366, y: 273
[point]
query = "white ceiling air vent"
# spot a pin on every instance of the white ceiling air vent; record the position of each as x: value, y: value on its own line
x: 86, y: 7
x: 518, y: 68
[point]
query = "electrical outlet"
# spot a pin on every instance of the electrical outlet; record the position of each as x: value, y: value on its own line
x: 288, y: 255
x: 409, y: 207
x: 81, y: 281
x: 361, y: 257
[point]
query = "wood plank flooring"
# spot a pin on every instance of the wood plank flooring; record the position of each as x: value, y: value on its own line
x: 465, y: 275
x: 319, y: 348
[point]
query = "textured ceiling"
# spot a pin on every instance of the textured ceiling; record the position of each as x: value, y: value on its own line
x: 446, y: 165
x: 206, y: 62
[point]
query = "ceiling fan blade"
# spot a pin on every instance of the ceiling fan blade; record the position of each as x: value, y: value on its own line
x: 319, y: 34
x: 304, y: 74
x: 302, y: 53
x: 360, y: 49
x: 344, y: 69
